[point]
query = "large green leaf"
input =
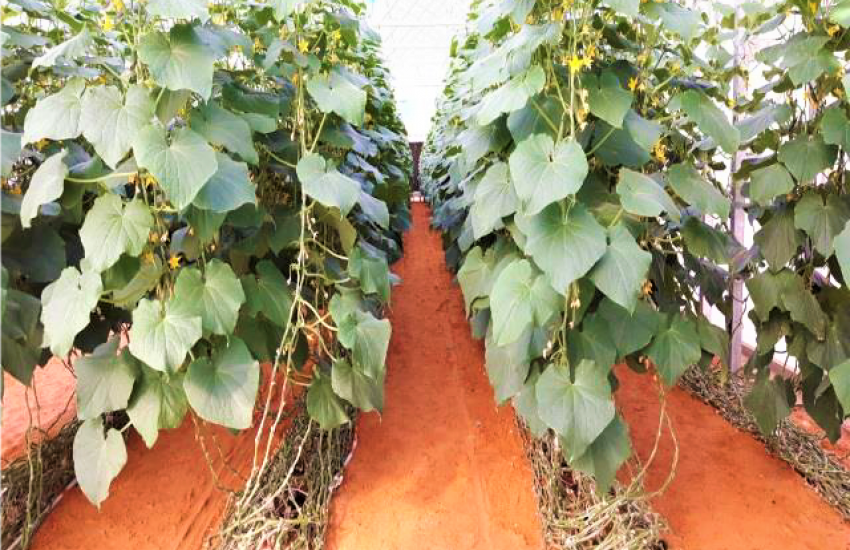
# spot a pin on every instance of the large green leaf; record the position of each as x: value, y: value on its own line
x: 687, y: 182
x: 352, y: 384
x: 46, y: 185
x: 608, y: 100
x: 336, y: 93
x: 768, y: 183
x: 72, y: 48
x: 97, y: 459
x: 179, y: 9
x: 21, y: 334
x: 181, y: 167
x: 144, y: 280
x: 227, y: 189
x: 326, y: 185
x: 178, y: 60
x: 110, y: 122
x: 511, y: 96
x: 323, y: 404
x: 162, y: 334
x: 769, y: 402
x: 66, y: 306
x: 643, y: 196
x: 372, y: 272
x: 702, y: 111
x: 56, y: 116
x: 104, y: 380
x: 631, y: 332
x: 369, y: 340
x: 495, y: 199
x: 705, y: 241
x: 605, y: 455
x: 840, y: 378
x: 225, y: 129
x: 215, y: 297
x: 806, y: 157
x: 520, y: 299
x: 842, y: 252
x: 544, y: 172
x: 675, y: 348
x: 835, y: 127
x: 269, y: 293
x: 284, y: 8
x: 113, y: 228
x: 10, y: 150
x: 778, y: 239
x: 507, y: 365
x: 621, y: 271
x: 822, y: 218
x: 158, y: 402
x: 565, y: 245
x: 222, y: 389
x: 676, y: 18
x: 578, y: 410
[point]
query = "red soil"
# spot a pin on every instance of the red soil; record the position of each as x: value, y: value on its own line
x: 443, y: 468
x: 728, y: 493
x: 54, y: 387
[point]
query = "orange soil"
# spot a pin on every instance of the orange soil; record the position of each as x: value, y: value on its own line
x: 728, y: 493
x: 165, y: 498
x: 443, y: 468
x: 54, y: 386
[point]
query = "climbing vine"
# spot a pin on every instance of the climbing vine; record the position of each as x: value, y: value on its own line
x: 191, y: 189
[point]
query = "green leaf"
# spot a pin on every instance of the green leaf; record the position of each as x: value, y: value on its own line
x: 835, y: 127
x: 336, y: 93
x: 227, y: 189
x: 104, y: 380
x: 21, y: 334
x: 97, y: 459
x: 778, y: 239
x: 806, y: 157
x: 704, y: 241
x: 768, y: 402
x: 495, y: 199
x: 544, y: 172
x: 111, y: 122
x: 840, y: 15
x: 375, y: 209
x: 144, y: 280
x: 626, y: 7
x: 372, y: 272
x: 162, y: 334
x: 284, y: 8
x: 630, y: 332
x: 842, y: 252
x: 215, y: 297
x: 225, y: 129
x: 356, y: 387
x: 178, y: 60
x: 520, y: 298
x: 822, y: 218
x: 675, y: 348
x: 326, y: 185
x: 66, y: 305
x: 56, y: 116
x: 702, y: 111
x: 840, y: 378
x: 678, y: 19
x: 269, y: 293
x: 223, y: 389
x: 159, y: 402
x: 323, y: 404
x: 565, y: 245
x: 10, y: 150
x: 475, y: 276
x: 822, y: 62
x: 525, y: 403
x: 507, y: 365
x: 511, y: 96
x: 70, y: 49
x: 713, y: 339
x: 46, y: 185
x: 621, y: 271
x: 643, y: 196
x: 113, y: 228
x: 578, y: 410
x: 768, y: 183
x: 369, y: 340
x: 179, y: 9
x: 605, y: 455
x: 181, y: 167
x: 608, y: 100
x: 687, y: 182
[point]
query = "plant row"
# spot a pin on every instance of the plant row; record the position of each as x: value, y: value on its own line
x: 579, y: 167
x: 192, y: 189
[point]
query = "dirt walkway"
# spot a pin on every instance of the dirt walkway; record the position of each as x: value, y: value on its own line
x: 444, y: 469
x: 728, y: 493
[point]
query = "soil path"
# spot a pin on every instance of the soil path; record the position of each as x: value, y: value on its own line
x: 444, y: 468
x: 728, y: 493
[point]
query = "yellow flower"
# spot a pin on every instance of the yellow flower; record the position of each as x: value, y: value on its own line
x: 118, y: 4
x: 660, y: 152
x: 295, y: 79
x: 174, y: 261
x: 147, y: 257
x: 633, y: 83
x: 154, y: 237
x: 303, y: 45
x: 336, y: 36
x: 813, y: 7
x: 107, y: 24
x: 218, y: 19
x: 150, y: 181
x: 590, y: 51
x: 578, y: 63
